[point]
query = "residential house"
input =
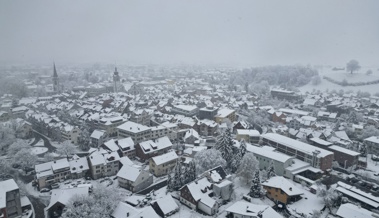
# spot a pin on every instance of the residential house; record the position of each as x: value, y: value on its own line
x: 4, y: 116
x: 208, y: 112
x: 10, y: 199
x: 284, y: 94
x: 110, y: 123
x: 124, y: 210
x: 140, y: 116
x: 163, y: 164
x: 127, y: 148
x: 280, y: 189
x: 249, y: 135
x: 279, y: 117
x: 103, y: 163
x: 152, y: 148
x: 70, y: 133
x: 225, y: 114
x: 97, y: 138
x: 165, y: 206
x: 134, y: 130
x: 372, y: 144
x: 349, y: 210
x: 191, y: 136
x: 134, y: 179
x: 186, y: 110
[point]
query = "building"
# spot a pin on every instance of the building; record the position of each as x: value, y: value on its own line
x: 225, y: 114
x: 116, y: 80
x: 208, y: 112
x: 137, y: 132
x: 61, y: 197
x: 284, y: 94
x: 163, y: 164
x: 165, y: 129
x: 350, y: 210
x: 59, y: 170
x: 125, y: 210
x: 267, y: 155
x: 165, y: 206
x: 127, y: 148
x: 103, y: 164
x: 249, y: 135
x: 317, y: 157
x: 152, y: 148
x: 243, y: 209
x: 196, y: 195
x: 4, y: 116
x: 56, y: 88
x: 97, y: 138
x: 10, y: 199
x: 279, y: 189
x: 185, y: 110
x: 133, y: 178
x: 109, y: 124
x: 372, y: 144
x: 140, y: 116
x: 70, y: 133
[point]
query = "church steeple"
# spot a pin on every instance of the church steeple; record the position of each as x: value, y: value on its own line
x: 116, y: 80
x: 55, y: 80
x: 55, y: 72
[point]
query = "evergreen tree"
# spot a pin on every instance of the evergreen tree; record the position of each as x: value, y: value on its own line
x: 363, y: 150
x: 178, y: 177
x: 271, y: 170
x: 191, y: 171
x: 255, y: 190
x: 225, y: 146
x: 170, y: 185
x: 237, y: 156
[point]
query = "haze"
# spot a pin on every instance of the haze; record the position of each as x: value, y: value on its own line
x: 191, y: 32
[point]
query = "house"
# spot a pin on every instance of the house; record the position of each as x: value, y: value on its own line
x: 280, y: 189
x: 191, y: 136
x: 127, y: 148
x: 279, y: 117
x: 267, y: 155
x: 284, y: 94
x: 240, y: 125
x: 124, y: 210
x: 10, y: 200
x: 109, y: 124
x: 103, y: 163
x: 61, y: 197
x: 372, y: 144
x: 137, y: 132
x: 152, y: 148
x: 225, y: 114
x: 163, y: 164
x: 366, y: 200
x: 4, y: 116
x: 78, y: 167
x: 97, y: 138
x: 133, y: 178
x: 208, y: 112
x: 197, y: 195
x: 52, y: 172
x: 165, y: 206
x: 206, y: 127
x: 249, y: 135
x: 70, y: 133
x: 243, y: 209
x: 185, y: 110
x: 140, y: 116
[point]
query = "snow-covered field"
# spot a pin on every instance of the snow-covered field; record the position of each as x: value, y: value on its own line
x: 40, y: 143
x: 359, y: 76
x: 38, y: 150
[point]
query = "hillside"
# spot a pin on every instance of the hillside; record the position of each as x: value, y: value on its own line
x: 359, y: 76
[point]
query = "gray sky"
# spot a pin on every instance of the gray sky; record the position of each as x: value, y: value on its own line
x: 194, y: 32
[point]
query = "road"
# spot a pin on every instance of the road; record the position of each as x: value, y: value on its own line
x: 46, y: 141
x: 154, y: 187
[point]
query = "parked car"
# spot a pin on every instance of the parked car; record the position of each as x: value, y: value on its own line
x: 375, y: 188
x: 44, y: 190
x: 55, y: 186
x: 354, y: 180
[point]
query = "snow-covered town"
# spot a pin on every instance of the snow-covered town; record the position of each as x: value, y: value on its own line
x: 179, y: 146
x: 189, y: 109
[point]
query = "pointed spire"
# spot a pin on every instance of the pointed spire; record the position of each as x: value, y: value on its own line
x: 55, y: 71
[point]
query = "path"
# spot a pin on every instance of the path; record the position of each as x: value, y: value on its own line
x: 46, y: 141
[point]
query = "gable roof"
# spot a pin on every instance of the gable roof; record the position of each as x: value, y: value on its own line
x: 283, y: 184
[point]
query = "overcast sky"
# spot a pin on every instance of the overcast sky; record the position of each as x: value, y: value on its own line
x: 193, y: 32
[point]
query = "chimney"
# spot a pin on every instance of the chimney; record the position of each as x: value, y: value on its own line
x: 127, y: 214
x: 290, y: 188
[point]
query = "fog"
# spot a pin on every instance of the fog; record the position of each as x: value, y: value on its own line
x: 190, y: 32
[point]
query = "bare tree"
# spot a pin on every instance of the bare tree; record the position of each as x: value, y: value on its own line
x: 67, y: 148
x: 352, y: 66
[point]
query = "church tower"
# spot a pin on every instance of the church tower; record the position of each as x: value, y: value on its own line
x: 116, y: 80
x: 55, y: 81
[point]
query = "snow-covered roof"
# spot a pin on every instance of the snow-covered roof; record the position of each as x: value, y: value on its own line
x: 344, y: 150
x: 60, y: 164
x: 78, y: 165
x: 6, y: 186
x: 224, y: 112
x: 126, y: 143
x: 291, y: 111
x: 349, y: 210
x: 252, y: 210
x: 63, y: 196
x: 164, y: 158
x: 249, y: 132
x: 321, y: 142
x: 158, y: 144
x: 269, y: 152
x: 111, y: 145
x: 129, y: 173
x: 295, y: 144
x: 284, y: 184
x: 373, y: 139
x: 167, y: 204
x: 133, y: 127
x: 97, y: 134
